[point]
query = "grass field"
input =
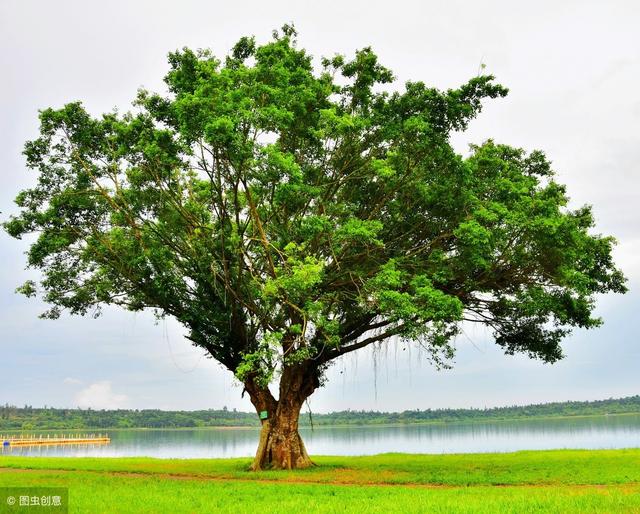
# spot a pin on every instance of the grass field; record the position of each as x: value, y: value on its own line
x: 540, y: 481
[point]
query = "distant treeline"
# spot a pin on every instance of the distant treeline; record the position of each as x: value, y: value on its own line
x: 29, y: 418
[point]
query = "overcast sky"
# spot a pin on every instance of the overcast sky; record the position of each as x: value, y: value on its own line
x: 573, y: 69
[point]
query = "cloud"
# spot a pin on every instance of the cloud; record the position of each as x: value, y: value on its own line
x: 99, y: 395
x: 72, y: 381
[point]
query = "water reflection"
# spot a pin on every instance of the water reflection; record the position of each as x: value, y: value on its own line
x: 593, y: 433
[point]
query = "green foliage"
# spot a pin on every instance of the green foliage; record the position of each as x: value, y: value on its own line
x: 262, y: 362
x: 263, y: 196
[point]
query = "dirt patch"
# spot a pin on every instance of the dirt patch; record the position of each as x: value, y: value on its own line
x: 344, y: 477
x: 35, y: 470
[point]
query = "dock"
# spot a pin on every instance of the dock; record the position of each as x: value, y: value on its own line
x: 51, y: 440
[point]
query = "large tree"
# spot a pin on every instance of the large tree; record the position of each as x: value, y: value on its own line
x: 288, y: 215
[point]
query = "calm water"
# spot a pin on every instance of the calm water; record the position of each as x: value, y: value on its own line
x: 592, y: 433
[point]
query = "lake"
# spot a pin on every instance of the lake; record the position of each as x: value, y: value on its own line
x: 500, y: 436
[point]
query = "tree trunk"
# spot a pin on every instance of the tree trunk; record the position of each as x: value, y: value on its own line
x: 280, y: 445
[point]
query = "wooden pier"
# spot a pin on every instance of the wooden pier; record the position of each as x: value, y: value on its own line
x: 51, y: 440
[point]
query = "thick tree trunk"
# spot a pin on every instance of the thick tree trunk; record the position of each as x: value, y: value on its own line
x: 280, y: 445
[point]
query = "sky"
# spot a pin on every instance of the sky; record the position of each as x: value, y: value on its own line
x: 573, y: 70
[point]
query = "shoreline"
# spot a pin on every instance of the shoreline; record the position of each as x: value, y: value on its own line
x: 331, y: 426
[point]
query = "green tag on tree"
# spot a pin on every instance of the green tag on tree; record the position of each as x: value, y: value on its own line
x: 264, y: 414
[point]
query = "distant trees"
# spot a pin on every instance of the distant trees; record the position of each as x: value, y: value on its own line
x: 15, y: 418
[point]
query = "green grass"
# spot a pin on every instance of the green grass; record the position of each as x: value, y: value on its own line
x: 540, y: 481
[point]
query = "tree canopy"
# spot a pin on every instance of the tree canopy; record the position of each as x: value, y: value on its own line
x: 287, y: 214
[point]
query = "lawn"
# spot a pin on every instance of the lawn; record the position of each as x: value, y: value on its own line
x: 553, y: 481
